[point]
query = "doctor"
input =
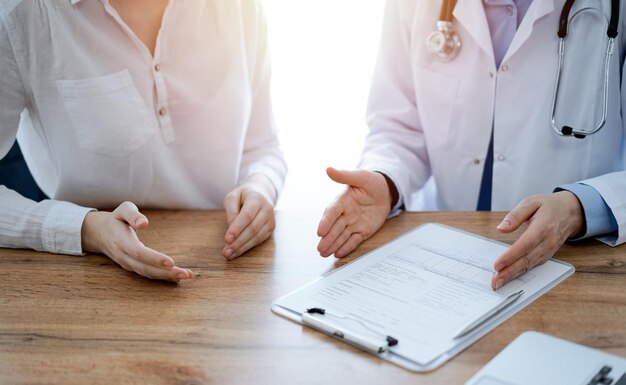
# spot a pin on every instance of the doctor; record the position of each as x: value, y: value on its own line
x: 474, y: 131
x: 126, y: 103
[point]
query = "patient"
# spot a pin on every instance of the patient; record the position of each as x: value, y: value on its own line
x: 126, y: 103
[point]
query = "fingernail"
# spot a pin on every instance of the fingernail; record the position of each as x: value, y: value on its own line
x: 504, y: 225
x: 167, y: 263
x: 230, y: 238
x: 499, y: 283
x: 190, y: 273
x: 139, y: 221
x: 182, y: 275
x: 228, y: 253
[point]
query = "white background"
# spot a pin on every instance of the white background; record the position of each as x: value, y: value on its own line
x: 323, y: 56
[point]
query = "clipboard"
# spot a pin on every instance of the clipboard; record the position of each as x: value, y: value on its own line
x: 313, y: 304
x: 551, y: 361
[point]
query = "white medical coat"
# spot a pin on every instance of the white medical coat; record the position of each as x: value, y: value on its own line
x: 431, y: 121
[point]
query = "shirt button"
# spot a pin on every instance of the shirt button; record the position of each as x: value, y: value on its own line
x: 505, y: 68
x: 501, y: 158
x: 157, y: 67
x: 163, y: 112
x: 491, y: 75
x: 476, y: 161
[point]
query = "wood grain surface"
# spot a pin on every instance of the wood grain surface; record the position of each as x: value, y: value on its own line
x: 83, y: 320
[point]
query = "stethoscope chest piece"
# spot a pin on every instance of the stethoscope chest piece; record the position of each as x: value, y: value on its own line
x: 444, y: 42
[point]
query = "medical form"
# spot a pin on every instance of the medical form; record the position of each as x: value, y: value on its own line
x: 422, y: 289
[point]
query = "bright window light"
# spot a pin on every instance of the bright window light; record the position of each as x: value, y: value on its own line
x: 323, y: 55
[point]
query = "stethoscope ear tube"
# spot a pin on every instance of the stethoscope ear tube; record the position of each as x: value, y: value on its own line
x: 614, y: 23
x: 563, y: 21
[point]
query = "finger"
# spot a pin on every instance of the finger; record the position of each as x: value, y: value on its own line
x: 330, y: 216
x: 260, y: 237
x: 248, y: 212
x: 129, y: 213
x: 174, y: 274
x: 520, y: 214
x: 232, y: 205
x: 149, y: 256
x: 357, y: 178
x: 520, y: 266
x: 258, y: 223
x: 526, y: 243
x: 341, y: 240
x: 352, y: 243
x: 329, y: 239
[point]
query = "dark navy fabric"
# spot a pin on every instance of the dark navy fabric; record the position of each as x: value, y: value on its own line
x: 486, y: 184
x: 14, y: 174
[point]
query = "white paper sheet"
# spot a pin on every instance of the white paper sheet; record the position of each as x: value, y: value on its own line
x: 422, y: 289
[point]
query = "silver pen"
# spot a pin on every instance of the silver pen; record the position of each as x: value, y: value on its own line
x: 474, y: 324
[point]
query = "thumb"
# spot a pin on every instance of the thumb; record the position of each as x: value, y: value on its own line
x: 520, y: 214
x: 232, y: 205
x: 357, y: 178
x: 129, y: 213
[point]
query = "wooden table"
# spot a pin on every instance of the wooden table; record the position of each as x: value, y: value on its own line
x: 83, y: 320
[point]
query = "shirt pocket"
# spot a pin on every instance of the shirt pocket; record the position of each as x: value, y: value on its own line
x: 435, y: 95
x: 107, y: 113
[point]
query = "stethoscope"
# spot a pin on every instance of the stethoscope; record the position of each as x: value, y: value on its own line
x: 562, y: 33
x: 446, y: 44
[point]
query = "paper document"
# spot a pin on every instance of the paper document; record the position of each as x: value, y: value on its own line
x: 422, y: 289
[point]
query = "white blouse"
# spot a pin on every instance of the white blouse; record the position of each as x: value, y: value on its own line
x: 102, y: 121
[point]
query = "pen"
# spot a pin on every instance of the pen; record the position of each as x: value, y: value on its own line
x: 353, y: 338
x: 506, y: 302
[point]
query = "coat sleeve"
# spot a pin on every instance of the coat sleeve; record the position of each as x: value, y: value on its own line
x: 612, y: 186
x: 395, y: 144
x: 46, y: 226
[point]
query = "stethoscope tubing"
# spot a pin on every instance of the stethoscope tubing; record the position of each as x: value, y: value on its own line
x: 452, y: 44
x: 612, y: 32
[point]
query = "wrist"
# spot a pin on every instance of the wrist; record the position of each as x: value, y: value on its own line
x: 263, y: 185
x: 394, y: 196
x: 90, y: 231
x: 575, y: 213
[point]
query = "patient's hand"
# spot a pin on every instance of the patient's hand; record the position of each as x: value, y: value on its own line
x: 114, y: 234
x: 249, y: 215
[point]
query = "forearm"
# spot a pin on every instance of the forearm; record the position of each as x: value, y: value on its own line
x: 50, y: 226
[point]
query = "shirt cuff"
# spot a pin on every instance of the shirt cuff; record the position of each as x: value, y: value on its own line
x: 399, y: 206
x: 276, y: 178
x: 62, y: 228
x: 599, y: 218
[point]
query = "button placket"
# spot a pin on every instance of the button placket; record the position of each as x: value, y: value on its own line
x: 162, y: 108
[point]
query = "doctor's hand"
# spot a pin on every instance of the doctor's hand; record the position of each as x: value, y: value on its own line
x: 551, y: 218
x: 356, y: 214
x: 114, y: 234
x: 249, y: 215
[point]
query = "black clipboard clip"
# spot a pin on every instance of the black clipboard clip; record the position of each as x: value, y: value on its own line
x: 352, y: 338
